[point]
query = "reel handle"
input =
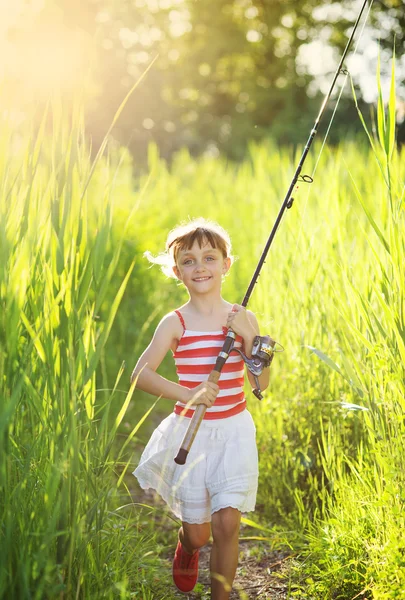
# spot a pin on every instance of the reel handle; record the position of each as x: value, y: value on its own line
x: 265, y: 353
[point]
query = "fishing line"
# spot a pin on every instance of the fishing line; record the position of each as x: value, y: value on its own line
x: 346, y: 74
x: 266, y: 346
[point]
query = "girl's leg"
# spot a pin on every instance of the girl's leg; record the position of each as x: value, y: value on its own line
x: 194, y: 536
x: 225, y: 550
x: 185, y: 561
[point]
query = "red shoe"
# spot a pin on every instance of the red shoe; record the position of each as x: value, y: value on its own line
x: 185, y: 569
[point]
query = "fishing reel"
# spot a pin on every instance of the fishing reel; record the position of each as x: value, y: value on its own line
x: 263, y: 350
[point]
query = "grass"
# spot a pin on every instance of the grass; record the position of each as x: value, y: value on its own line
x: 62, y: 531
x: 78, y: 305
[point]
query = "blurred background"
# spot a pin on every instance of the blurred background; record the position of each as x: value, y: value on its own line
x: 226, y: 71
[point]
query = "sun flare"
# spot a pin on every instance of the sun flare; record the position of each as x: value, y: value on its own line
x: 41, y: 55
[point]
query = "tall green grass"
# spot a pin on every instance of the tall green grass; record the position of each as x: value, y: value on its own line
x: 79, y: 303
x: 356, y: 543
x: 63, y: 532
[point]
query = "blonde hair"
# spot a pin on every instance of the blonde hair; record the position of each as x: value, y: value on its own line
x: 183, y: 237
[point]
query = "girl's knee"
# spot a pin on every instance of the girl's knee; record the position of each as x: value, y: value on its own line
x: 225, y: 523
x: 197, y: 534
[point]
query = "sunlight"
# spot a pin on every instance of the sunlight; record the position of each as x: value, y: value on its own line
x: 39, y: 56
x: 9, y: 13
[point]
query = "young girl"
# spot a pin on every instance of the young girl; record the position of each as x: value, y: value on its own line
x: 219, y: 480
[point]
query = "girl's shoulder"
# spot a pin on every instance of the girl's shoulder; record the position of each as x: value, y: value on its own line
x: 171, y: 328
x: 172, y: 322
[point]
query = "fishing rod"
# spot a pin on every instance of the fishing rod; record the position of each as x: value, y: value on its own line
x: 263, y: 347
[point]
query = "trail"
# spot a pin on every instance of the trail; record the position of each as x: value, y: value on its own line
x: 262, y: 573
x: 258, y: 576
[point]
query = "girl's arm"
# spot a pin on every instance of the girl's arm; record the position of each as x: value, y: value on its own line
x: 165, y: 338
x: 244, y: 323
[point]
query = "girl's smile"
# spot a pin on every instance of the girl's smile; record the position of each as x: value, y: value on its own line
x: 200, y: 265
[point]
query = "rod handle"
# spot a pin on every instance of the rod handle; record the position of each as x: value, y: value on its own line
x: 194, y: 425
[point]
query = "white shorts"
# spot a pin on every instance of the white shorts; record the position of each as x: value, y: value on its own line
x: 221, y: 468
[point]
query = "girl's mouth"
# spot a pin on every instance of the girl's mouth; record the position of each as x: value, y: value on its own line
x: 201, y: 278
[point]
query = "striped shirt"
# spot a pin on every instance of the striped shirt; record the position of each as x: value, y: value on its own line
x: 195, y: 357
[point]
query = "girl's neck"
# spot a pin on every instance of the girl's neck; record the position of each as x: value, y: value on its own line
x: 206, y: 308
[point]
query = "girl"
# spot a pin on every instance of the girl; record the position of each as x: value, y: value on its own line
x: 219, y: 480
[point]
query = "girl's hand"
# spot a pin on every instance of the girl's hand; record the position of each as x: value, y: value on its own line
x: 205, y: 393
x: 239, y: 322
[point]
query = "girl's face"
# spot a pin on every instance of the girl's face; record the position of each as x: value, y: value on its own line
x: 201, y: 269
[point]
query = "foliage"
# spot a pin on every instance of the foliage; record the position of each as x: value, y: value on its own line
x: 63, y: 530
x: 355, y: 542
x: 227, y: 71
x: 78, y: 305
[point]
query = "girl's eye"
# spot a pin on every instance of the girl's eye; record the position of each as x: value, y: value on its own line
x: 187, y: 262
x: 210, y: 258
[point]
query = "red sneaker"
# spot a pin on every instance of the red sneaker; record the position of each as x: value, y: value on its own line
x: 185, y: 569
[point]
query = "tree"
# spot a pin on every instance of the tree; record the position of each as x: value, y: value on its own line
x: 228, y: 71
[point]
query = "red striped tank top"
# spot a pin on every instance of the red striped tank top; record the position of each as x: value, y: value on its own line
x: 195, y: 357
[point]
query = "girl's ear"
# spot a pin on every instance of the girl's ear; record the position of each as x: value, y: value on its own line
x: 177, y: 272
x: 227, y: 265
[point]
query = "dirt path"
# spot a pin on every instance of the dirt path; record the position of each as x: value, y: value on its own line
x: 262, y: 574
x: 259, y: 576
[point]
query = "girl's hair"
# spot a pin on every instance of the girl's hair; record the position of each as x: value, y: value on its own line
x: 183, y: 237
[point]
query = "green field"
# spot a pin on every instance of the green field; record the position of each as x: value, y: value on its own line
x: 79, y: 303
